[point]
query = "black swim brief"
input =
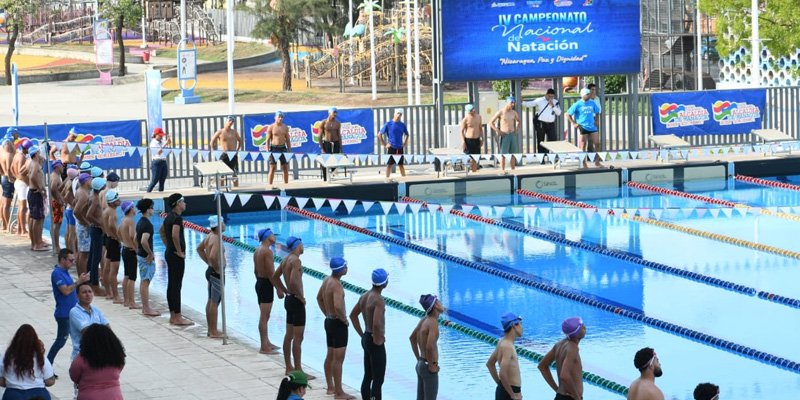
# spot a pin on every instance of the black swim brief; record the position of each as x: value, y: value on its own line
x: 295, y: 311
x: 473, y: 146
x: 129, y: 263
x: 265, y: 291
x: 232, y: 163
x: 560, y: 396
x: 35, y: 204
x: 8, y: 188
x: 113, y: 250
x: 278, y: 149
x: 501, y: 394
x: 335, y: 333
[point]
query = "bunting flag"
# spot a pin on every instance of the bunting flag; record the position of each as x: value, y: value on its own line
x: 204, y: 155
x: 516, y: 211
x: 244, y: 198
x: 367, y: 205
x: 446, y: 208
x: 498, y: 211
x: 334, y: 204
x: 466, y: 208
x: 268, y: 201
x: 301, y: 201
x: 386, y: 206
x: 349, y: 205
x: 177, y: 152
x: 283, y: 201
x: 130, y: 151
x: 486, y: 211
x: 318, y: 202
x: 415, y: 207
x: 230, y: 198
x: 545, y: 212
x: 401, y: 207
x: 192, y: 154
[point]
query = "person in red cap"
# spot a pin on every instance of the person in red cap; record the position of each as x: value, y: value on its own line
x: 423, y: 343
x: 568, y: 362
x: 158, y: 166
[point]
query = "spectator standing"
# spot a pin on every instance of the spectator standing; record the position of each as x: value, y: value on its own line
x: 585, y: 114
x: 547, y: 110
x: 24, y: 371
x: 172, y: 236
x: 394, y: 136
x: 96, y: 370
x: 158, y: 155
x: 65, y: 294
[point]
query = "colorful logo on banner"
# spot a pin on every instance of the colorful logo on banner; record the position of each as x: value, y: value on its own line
x: 539, y: 39
x: 712, y: 112
x: 731, y: 112
x: 305, y: 127
x: 104, y: 144
x: 673, y: 115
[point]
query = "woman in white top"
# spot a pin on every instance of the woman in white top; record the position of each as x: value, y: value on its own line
x: 158, y: 166
x: 25, y: 371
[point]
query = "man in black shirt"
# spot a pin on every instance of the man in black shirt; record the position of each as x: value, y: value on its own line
x: 144, y: 254
x: 172, y: 235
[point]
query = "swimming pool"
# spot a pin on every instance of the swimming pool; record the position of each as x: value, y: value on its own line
x: 652, y: 306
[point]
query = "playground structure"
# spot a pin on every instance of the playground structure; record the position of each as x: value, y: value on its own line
x: 162, y: 24
x: 350, y: 58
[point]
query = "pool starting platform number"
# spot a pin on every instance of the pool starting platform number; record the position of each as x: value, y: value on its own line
x: 187, y: 72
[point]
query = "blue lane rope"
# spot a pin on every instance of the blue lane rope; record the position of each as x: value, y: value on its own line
x: 764, y: 357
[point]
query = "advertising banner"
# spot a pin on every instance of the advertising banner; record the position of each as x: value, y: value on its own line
x: 358, y: 131
x: 714, y: 112
x: 103, y: 144
x: 494, y: 40
x: 152, y: 80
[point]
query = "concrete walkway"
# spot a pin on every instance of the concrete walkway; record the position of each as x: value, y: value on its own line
x: 162, y: 361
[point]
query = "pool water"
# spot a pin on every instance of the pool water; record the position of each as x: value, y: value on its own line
x: 476, y: 299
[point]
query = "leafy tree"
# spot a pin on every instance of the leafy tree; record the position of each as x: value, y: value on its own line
x: 15, y: 11
x: 282, y: 21
x: 779, y: 25
x: 503, y: 88
x: 121, y: 12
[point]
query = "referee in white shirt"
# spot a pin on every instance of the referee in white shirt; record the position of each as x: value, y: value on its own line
x: 546, y: 109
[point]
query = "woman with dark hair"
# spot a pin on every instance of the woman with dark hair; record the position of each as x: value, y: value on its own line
x: 96, y: 369
x: 25, y: 371
x: 293, y: 386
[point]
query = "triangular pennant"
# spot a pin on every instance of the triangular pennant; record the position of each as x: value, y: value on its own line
x: 334, y: 204
x: 242, y: 154
x: 727, y: 212
x: 687, y: 212
x: 230, y: 154
x: 419, y: 158
x: 283, y: 201
x: 634, y: 155
x: 203, y: 155
x: 130, y: 150
x: 753, y: 210
x: 71, y: 146
x: 714, y: 212
x: 530, y: 158
x: 466, y: 208
x: 268, y: 201
x: 367, y: 205
x: 499, y: 211
x: 301, y: 201
x: 401, y: 207
x: 373, y: 159
x: 415, y: 207
x: 486, y: 211
x: 244, y: 198
x: 166, y: 152
x: 557, y: 212
x: 516, y: 211
x: 386, y: 206
x: 530, y: 211
x: 362, y: 158
x: 685, y: 154
x: 230, y: 198
x: 785, y: 210
x: 433, y: 207
x: 217, y: 154
x: 318, y: 202
x: 254, y: 155
x: 545, y: 211
x: 603, y: 155
x: 349, y: 204
x: 192, y: 154
x: 589, y: 212
x: 796, y: 210
x: 142, y: 149
x: 177, y: 152
x: 396, y: 158
x: 701, y: 212
x: 289, y: 156
x: 657, y: 213
x: 446, y: 208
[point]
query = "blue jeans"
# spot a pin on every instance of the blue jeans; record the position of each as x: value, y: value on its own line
x: 95, y: 254
x: 61, y: 338
x: 160, y: 171
x: 17, y: 394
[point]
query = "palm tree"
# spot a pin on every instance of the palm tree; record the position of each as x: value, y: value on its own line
x: 369, y: 6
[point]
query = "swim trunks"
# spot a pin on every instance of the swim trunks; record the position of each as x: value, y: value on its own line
x: 335, y: 333
x: 264, y: 291
x: 112, y: 249
x: 295, y: 311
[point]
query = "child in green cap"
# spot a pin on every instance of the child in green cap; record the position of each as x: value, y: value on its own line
x: 293, y: 386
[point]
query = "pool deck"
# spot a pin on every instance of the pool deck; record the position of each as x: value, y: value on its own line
x: 162, y: 361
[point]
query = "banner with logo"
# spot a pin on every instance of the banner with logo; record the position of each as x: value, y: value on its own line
x: 519, y: 39
x: 714, y: 112
x: 104, y: 144
x: 358, y: 132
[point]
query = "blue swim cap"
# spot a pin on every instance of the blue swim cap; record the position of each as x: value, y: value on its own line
x: 380, y: 277
x: 279, y: 114
x: 293, y: 242
x: 96, y: 172
x: 511, y: 99
x: 213, y: 222
x: 264, y: 234
x: 73, y: 131
x: 86, y: 167
x: 509, y: 319
x: 338, y: 264
x: 333, y: 110
x: 98, y: 184
x: 469, y: 107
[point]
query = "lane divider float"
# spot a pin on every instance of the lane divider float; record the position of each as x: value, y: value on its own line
x: 523, y: 352
x: 709, y: 280
x: 535, y: 282
x: 766, y: 182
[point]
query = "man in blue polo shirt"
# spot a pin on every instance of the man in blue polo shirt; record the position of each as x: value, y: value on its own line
x: 585, y: 114
x: 396, y: 133
x: 83, y: 315
x: 65, y: 295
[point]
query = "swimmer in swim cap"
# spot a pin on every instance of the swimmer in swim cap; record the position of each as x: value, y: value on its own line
x: 472, y: 134
x: 568, y: 361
